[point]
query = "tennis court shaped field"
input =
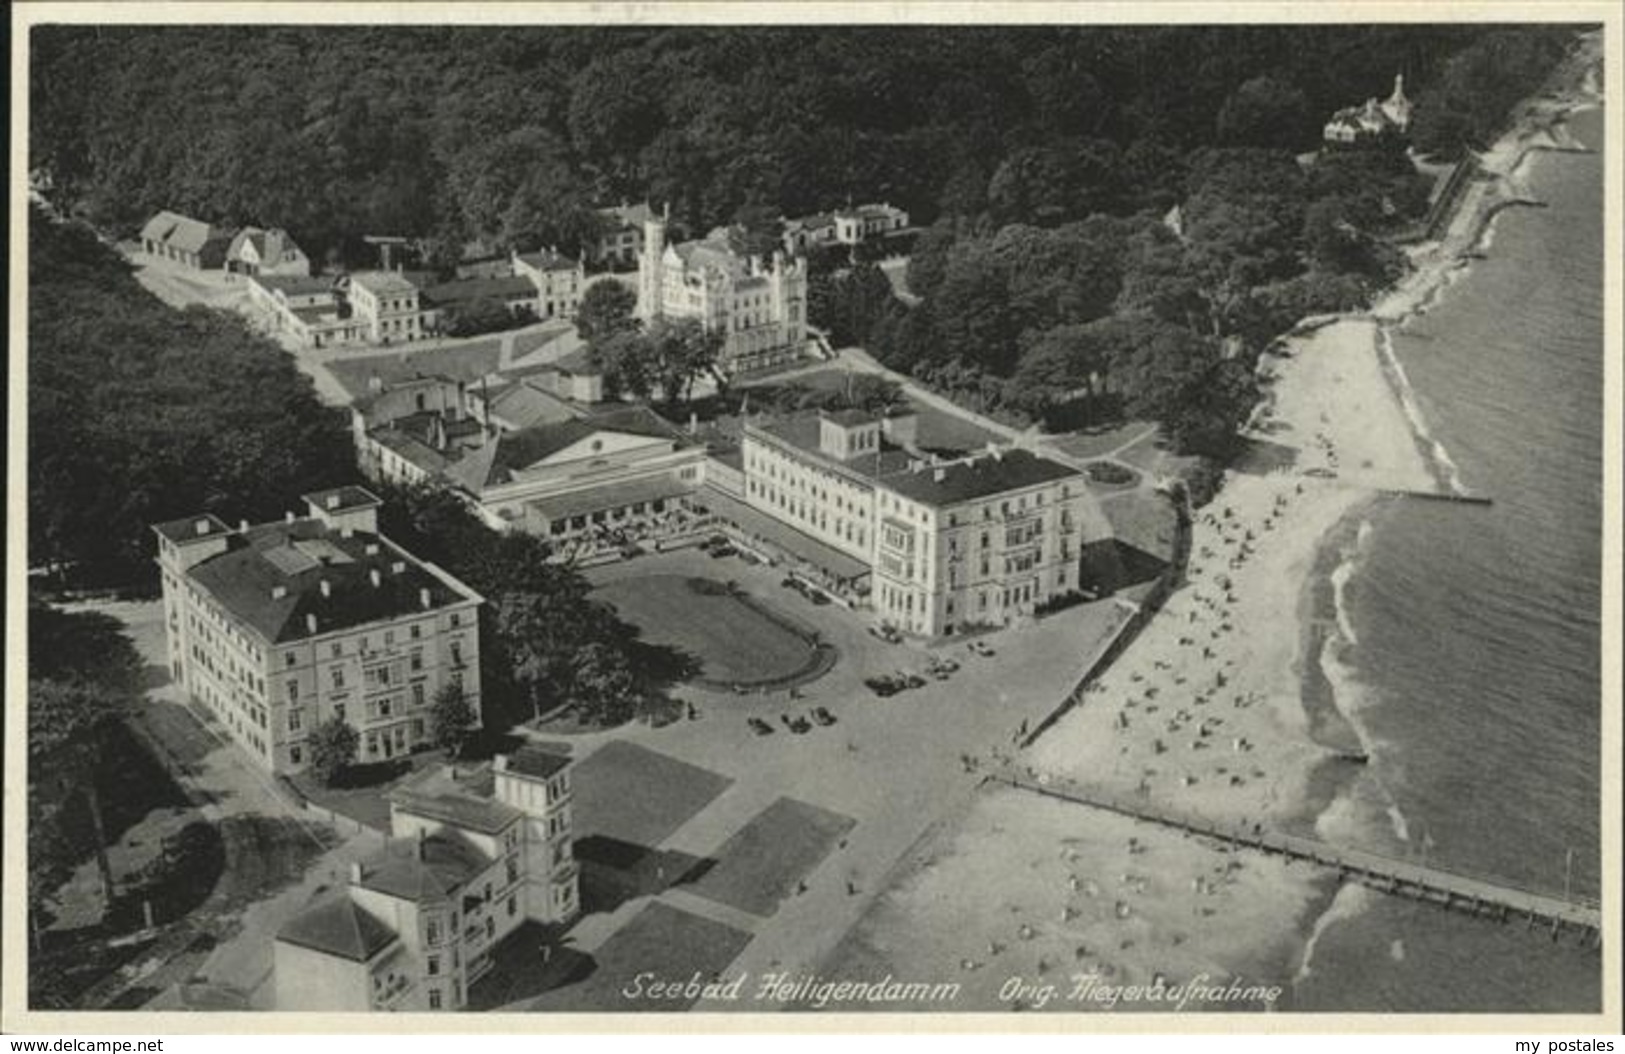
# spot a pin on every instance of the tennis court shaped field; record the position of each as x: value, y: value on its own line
x: 736, y: 639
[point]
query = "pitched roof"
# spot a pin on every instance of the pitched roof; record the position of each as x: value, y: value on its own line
x: 538, y: 762
x: 459, y: 810
x: 558, y: 507
x: 548, y: 261
x: 381, y: 282
x: 850, y: 417
x: 430, y: 868
x: 295, y: 558
x: 294, y: 284
x: 338, y: 926
x: 712, y: 251
x: 981, y: 477
x: 526, y: 405
x: 519, y: 450
x: 463, y: 290
x: 182, y: 232
x: 272, y: 246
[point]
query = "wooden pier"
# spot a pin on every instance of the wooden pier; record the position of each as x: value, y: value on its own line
x: 1444, y: 495
x: 1428, y: 883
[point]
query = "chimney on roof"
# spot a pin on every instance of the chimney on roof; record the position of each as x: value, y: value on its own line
x: 377, y: 579
x: 202, y: 527
x: 355, y: 871
x: 423, y: 597
x: 939, y: 473
x: 372, y: 548
x: 693, y: 422
x: 327, y: 588
x: 290, y: 515
x: 242, y: 526
x: 278, y: 592
x: 397, y: 567
x: 375, y: 383
x: 310, y: 622
x: 346, y: 531
x: 332, y: 501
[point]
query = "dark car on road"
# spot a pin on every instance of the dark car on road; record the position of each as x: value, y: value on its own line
x: 760, y: 727
x: 823, y: 716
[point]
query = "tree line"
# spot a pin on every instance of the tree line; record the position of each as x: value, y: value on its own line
x: 139, y: 413
x: 510, y: 135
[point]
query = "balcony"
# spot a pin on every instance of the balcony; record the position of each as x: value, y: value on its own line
x: 392, y: 994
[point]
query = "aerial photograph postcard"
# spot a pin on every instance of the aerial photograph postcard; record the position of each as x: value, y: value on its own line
x: 898, y: 512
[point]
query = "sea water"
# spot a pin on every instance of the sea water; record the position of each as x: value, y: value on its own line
x: 1468, y: 650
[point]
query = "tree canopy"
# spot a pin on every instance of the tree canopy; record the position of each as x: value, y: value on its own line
x: 509, y: 134
x: 139, y: 413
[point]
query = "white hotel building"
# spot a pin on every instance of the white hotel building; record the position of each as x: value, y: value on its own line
x: 979, y: 540
x: 279, y: 627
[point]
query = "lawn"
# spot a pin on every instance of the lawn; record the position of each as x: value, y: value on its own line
x: 639, y: 796
x: 661, y: 942
x: 1095, y: 442
x: 763, y: 861
x: 939, y: 431
x: 734, y: 641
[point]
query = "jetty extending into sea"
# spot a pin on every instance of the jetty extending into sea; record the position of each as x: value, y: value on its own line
x: 1418, y: 881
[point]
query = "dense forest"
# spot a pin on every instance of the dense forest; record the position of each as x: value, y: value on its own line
x: 138, y: 413
x: 509, y: 134
x: 1116, y: 218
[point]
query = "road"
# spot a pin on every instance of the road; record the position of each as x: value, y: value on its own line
x: 895, y: 765
x: 235, y: 954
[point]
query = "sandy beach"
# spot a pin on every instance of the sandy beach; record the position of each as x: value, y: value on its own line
x: 1206, y: 713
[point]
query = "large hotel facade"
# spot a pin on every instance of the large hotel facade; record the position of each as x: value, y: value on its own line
x: 950, y: 544
x: 279, y: 627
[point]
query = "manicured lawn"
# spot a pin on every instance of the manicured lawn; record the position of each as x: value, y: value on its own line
x: 734, y: 642
x: 761, y: 863
x: 946, y: 432
x: 639, y: 796
x: 1095, y: 442
x: 662, y: 942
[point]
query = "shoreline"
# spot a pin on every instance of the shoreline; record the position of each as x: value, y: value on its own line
x: 1334, y: 399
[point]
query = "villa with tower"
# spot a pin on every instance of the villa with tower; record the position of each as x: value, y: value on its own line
x: 760, y: 307
x: 1373, y: 122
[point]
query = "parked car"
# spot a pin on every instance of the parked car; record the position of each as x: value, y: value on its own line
x: 885, y: 633
x: 760, y: 727
x: 817, y: 596
x: 791, y: 582
x: 823, y: 716
x: 719, y: 551
x: 883, y: 686
x: 913, y: 680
